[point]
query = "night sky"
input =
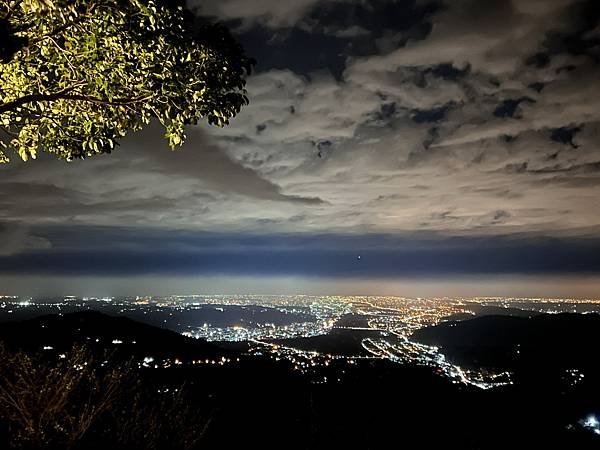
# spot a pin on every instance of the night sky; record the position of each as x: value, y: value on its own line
x: 402, y: 147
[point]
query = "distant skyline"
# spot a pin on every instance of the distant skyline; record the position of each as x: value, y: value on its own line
x: 454, y: 145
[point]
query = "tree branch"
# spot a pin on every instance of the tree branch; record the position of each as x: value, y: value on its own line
x: 9, y: 106
x: 65, y: 95
x: 66, y: 26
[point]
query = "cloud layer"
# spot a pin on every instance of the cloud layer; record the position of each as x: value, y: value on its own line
x: 458, y: 118
x: 487, y: 124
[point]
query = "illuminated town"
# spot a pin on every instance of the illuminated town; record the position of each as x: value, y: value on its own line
x: 283, y: 327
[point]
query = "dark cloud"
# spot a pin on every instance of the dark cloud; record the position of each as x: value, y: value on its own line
x: 16, y: 238
x: 510, y: 107
x: 565, y: 135
x: 298, y: 50
x: 328, y: 34
x: 145, y: 252
x: 430, y: 115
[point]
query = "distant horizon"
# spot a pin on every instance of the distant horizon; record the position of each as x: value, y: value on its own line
x: 573, y: 286
x: 254, y: 294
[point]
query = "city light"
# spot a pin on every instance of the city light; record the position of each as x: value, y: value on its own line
x: 388, y: 324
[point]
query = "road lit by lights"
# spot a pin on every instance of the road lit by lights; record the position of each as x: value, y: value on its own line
x: 394, y: 319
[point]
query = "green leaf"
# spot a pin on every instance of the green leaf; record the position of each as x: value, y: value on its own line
x: 109, y: 70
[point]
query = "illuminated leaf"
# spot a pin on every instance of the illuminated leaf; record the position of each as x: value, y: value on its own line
x: 78, y: 75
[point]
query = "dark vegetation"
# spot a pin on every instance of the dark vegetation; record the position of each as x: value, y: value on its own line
x: 96, y: 331
x: 107, y: 400
x: 545, y: 343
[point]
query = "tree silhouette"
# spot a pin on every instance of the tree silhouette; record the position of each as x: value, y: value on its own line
x: 54, y: 404
x: 84, y: 400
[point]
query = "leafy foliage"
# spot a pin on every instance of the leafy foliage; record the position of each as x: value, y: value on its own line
x: 78, y: 75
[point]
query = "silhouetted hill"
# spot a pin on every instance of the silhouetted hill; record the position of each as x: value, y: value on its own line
x: 260, y: 403
x: 104, y: 332
x: 549, y: 341
x: 490, y: 310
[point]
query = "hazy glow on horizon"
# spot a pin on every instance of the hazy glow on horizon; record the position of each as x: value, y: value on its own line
x: 568, y: 286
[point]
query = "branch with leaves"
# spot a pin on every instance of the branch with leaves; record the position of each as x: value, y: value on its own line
x: 80, y: 75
